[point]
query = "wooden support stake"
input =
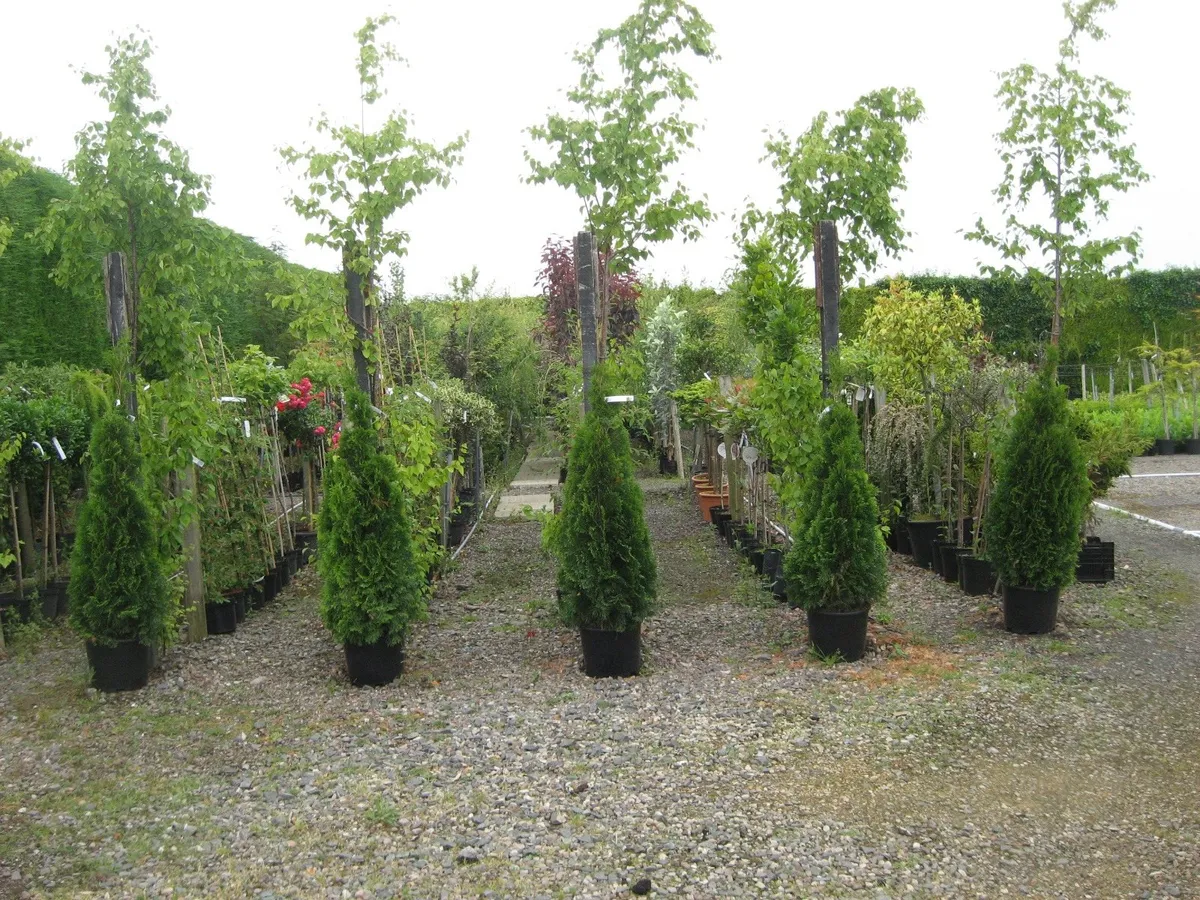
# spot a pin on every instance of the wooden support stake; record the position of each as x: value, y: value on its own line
x: 120, y: 318
x: 358, y: 312
x: 829, y: 293
x: 679, y: 469
x: 193, y: 600
x: 12, y: 505
x: 585, y: 284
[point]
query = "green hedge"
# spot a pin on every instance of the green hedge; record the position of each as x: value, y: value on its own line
x: 42, y: 323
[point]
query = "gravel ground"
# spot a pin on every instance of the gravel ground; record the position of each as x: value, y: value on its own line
x: 955, y: 761
x: 1166, y: 495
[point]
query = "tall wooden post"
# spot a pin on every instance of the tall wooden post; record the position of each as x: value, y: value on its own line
x: 116, y: 290
x: 193, y: 601
x: 361, y: 316
x: 585, y: 284
x: 829, y: 293
x: 679, y: 470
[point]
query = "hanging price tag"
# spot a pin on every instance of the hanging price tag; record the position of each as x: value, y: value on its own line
x: 246, y: 427
x: 199, y: 462
x: 58, y: 447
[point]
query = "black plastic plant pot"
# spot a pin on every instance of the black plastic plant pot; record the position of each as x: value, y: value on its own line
x: 239, y: 605
x: 838, y: 634
x: 758, y: 560
x: 720, y: 515
x: 772, y: 557
x: 1030, y: 611
x: 221, y: 617
x: 562, y: 475
x: 374, y: 665
x: 968, y: 527
x: 749, y: 546
x: 976, y: 576
x: 666, y: 465
x: 935, y: 555
x: 454, y: 534
x: 270, y: 586
x: 281, y: 570
x: 294, y: 560
x: 950, y: 554
x: 921, y: 536
x: 13, y: 607
x: 779, y: 588
x: 1191, y: 445
x: 124, y: 667
x: 1097, y: 562
x: 611, y: 654
x: 255, y: 598
x: 49, y: 595
x: 1164, y: 447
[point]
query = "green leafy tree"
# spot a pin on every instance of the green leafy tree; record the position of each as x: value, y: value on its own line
x: 848, y: 169
x: 363, y: 179
x: 135, y: 192
x: 607, y: 576
x: 625, y: 133
x: 663, y: 335
x: 372, y: 588
x: 118, y: 589
x: 1063, y: 148
x: 839, y: 560
x: 1042, y: 491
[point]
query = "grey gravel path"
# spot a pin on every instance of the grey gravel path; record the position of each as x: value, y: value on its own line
x: 956, y: 761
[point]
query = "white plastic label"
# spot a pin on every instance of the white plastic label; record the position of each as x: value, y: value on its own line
x: 58, y: 447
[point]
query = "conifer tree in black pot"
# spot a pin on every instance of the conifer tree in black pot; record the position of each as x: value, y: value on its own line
x: 607, y: 577
x: 120, y: 600
x: 837, y: 567
x: 1037, y: 511
x: 372, y: 587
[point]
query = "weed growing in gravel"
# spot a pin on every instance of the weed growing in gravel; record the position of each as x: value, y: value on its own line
x: 383, y: 812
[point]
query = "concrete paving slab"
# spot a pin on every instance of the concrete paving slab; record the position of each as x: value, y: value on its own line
x: 513, y: 505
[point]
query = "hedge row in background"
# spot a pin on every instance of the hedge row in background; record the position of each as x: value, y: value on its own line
x: 42, y: 323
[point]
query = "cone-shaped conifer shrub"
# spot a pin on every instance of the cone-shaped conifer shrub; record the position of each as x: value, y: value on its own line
x: 118, y: 589
x: 839, y: 560
x: 607, y: 576
x: 1042, y: 491
x: 372, y: 587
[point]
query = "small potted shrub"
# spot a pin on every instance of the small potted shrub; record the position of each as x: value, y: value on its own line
x: 607, y: 576
x: 373, y: 589
x: 838, y: 565
x: 120, y: 601
x: 1041, y: 497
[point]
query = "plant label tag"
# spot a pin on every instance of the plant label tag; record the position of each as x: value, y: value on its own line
x: 750, y: 454
x: 58, y: 448
x: 246, y: 427
x: 620, y: 398
x: 39, y: 447
x: 721, y: 450
x: 199, y: 462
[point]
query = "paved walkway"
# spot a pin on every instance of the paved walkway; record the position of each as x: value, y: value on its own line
x: 531, y: 488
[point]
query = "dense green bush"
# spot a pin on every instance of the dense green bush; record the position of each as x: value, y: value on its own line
x: 607, y: 575
x: 372, y: 585
x: 839, y: 560
x: 118, y: 589
x: 1042, y: 492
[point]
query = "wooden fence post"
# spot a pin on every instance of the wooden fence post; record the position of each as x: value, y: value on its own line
x: 585, y: 284
x: 829, y: 293
x: 678, y: 442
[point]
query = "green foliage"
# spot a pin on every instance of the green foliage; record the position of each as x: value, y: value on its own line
x: 917, y: 342
x: 118, y: 589
x: 1042, y: 491
x: 1109, y: 439
x: 848, y: 171
x: 839, y: 560
x: 606, y: 570
x: 357, y: 185
x: 697, y: 403
x: 662, y: 337
x: 372, y: 586
x: 135, y: 192
x: 257, y: 378
x: 629, y: 131
x: 786, y: 399
x: 1062, y: 145
x: 778, y: 315
x: 12, y: 165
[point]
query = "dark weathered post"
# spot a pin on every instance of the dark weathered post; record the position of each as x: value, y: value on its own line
x: 116, y: 289
x: 356, y: 312
x: 829, y: 292
x: 585, y: 284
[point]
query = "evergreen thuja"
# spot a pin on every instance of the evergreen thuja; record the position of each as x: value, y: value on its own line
x: 372, y: 587
x: 607, y: 575
x: 118, y: 589
x: 1042, y: 491
x: 839, y: 560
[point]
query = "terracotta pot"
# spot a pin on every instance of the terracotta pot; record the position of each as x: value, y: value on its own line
x: 708, y: 501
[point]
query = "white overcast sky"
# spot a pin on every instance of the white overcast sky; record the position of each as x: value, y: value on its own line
x: 244, y: 78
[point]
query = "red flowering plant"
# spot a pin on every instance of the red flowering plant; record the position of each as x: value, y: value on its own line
x: 306, y: 419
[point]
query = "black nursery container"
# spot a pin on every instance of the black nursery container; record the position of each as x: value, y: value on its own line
x: 921, y: 535
x: 374, y: 665
x: 221, y: 617
x: 611, y: 654
x: 976, y: 576
x: 123, y: 667
x: 839, y: 634
x: 1097, y: 562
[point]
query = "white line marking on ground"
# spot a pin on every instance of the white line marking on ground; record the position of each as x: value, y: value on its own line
x: 1147, y: 519
x: 1163, y: 475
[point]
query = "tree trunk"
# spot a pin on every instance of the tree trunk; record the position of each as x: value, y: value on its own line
x: 25, y: 528
x: 193, y: 602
